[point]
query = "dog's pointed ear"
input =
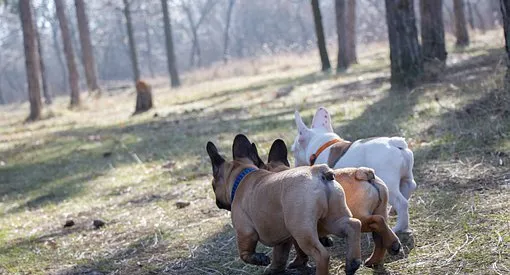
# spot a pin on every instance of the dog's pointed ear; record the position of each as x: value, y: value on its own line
x: 303, y: 131
x: 322, y: 119
x: 241, y: 148
x: 278, y: 152
x: 256, y: 157
x: 216, y: 158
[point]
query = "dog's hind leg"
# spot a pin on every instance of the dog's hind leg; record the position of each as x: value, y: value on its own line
x: 407, y: 187
x: 383, y: 237
x: 401, y: 205
x: 246, y: 243
x: 350, y: 228
x: 280, y: 257
x: 308, y: 241
x: 301, y: 258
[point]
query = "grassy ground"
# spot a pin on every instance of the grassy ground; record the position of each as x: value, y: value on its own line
x: 101, y: 163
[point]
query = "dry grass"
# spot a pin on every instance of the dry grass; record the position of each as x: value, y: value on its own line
x: 101, y: 163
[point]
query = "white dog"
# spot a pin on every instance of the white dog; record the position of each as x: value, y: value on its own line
x: 390, y: 157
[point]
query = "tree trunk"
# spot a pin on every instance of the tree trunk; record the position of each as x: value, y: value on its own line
x: 351, y: 32
x: 143, y: 97
x: 460, y: 24
x: 170, y: 53
x: 131, y: 38
x: 31, y: 59
x: 505, y: 11
x: 58, y: 53
x: 69, y: 53
x: 432, y: 36
x: 227, y: 28
x: 319, y: 31
x: 471, y: 18
x: 89, y: 62
x: 149, y: 48
x: 341, y: 31
x: 481, y: 20
x: 405, y: 52
x: 44, y: 79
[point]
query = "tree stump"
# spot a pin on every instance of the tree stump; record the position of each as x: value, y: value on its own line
x: 143, y: 97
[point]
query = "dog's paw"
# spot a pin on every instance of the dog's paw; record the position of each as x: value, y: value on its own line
x: 326, y: 241
x: 299, y: 263
x: 352, y: 266
x: 395, y: 248
x: 260, y: 259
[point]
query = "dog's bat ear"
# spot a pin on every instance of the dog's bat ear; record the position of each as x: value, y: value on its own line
x: 303, y: 131
x: 216, y: 158
x: 256, y: 157
x: 241, y: 148
x: 322, y: 119
x: 278, y: 152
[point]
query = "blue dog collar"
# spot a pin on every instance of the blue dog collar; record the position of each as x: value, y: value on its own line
x: 238, y: 180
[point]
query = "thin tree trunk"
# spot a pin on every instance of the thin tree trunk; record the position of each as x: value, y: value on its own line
x: 170, y: 53
x: 432, y: 30
x: 341, y: 31
x: 58, y: 53
x: 432, y: 38
x: 44, y: 79
x: 319, y: 31
x: 405, y: 52
x: 481, y: 20
x: 227, y: 29
x: 149, y: 49
x: 471, y: 18
x: 69, y: 53
x: 460, y: 24
x: 505, y: 11
x: 132, y: 45
x: 31, y: 59
x: 351, y: 32
x: 89, y: 62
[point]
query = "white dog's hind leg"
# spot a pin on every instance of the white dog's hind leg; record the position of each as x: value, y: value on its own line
x: 400, y: 204
x: 407, y: 187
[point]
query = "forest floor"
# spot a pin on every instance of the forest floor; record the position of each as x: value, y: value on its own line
x: 99, y: 162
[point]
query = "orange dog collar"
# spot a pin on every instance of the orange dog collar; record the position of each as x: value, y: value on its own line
x: 321, y: 149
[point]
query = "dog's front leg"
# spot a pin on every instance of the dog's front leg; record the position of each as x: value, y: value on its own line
x: 246, y: 243
x: 280, y: 257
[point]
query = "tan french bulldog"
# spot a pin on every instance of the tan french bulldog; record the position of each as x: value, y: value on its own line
x: 366, y: 195
x: 277, y: 209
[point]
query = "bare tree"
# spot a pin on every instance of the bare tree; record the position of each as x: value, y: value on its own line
x: 319, y: 31
x: 89, y: 62
x: 460, y: 24
x: 481, y: 20
x: 31, y: 59
x: 341, y: 31
x: 227, y: 29
x: 171, y: 62
x: 194, y: 26
x: 69, y: 53
x: 351, y: 31
x: 131, y: 39
x: 42, y: 67
x: 432, y: 36
x: 505, y: 11
x: 406, y: 60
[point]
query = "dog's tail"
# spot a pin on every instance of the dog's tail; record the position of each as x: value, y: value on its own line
x: 325, y: 175
x: 323, y: 172
x: 398, y: 142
